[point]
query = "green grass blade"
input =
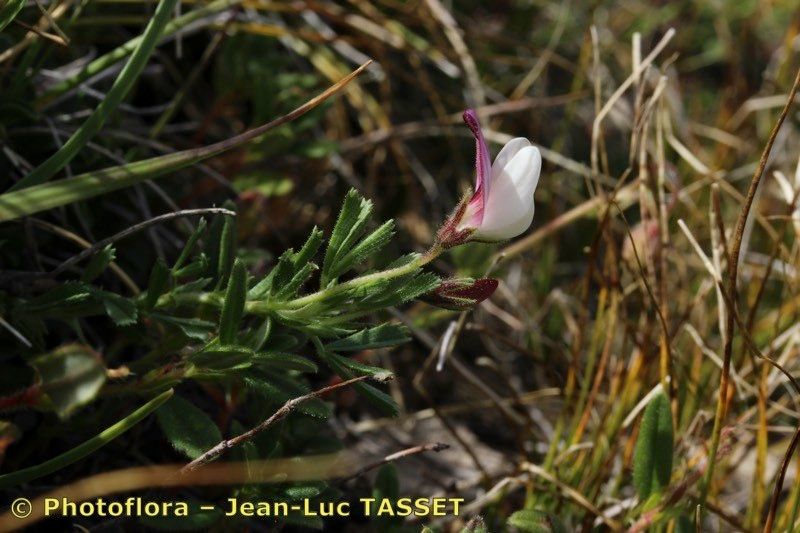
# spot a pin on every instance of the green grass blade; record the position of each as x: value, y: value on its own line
x: 46, y: 196
x: 105, y: 61
x: 82, y: 450
x: 9, y: 11
x: 122, y: 86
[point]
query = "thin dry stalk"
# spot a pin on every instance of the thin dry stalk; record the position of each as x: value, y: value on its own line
x: 280, y: 414
x: 733, y: 272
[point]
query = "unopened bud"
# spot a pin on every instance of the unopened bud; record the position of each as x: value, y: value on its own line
x: 461, y: 294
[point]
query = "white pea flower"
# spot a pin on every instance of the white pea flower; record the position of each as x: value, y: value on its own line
x: 501, y: 206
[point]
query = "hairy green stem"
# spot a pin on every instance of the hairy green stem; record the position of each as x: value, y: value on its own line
x: 360, y: 281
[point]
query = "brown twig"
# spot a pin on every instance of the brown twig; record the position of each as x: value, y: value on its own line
x: 414, y: 450
x: 281, y: 413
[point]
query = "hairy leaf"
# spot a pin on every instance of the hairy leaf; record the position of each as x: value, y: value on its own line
x: 233, y: 306
x: 652, y: 458
x: 532, y: 521
x: 377, y: 337
x: 98, y: 264
x: 187, y: 428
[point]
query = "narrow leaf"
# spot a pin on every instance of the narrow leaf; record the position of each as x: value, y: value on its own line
x: 227, y: 249
x: 353, y: 215
x: 375, y: 396
x: 286, y: 361
x: 194, y: 328
x: 157, y: 284
x: 9, y: 12
x: 371, y: 244
x: 377, y: 337
x: 652, y: 459
x: 309, y: 249
x: 291, y: 287
x: 44, y: 196
x: 88, y: 447
x: 223, y: 357
x: 233, y: 308
x: 122, y: 85
x: 190, y: 243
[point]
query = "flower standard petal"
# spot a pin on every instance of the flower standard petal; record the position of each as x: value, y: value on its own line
x: 509, y: 208
x: 507, y: 154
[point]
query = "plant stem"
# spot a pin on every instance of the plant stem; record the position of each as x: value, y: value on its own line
x: 392, y: 273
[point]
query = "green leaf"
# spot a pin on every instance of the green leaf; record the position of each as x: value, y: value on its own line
x: 157, y: 284
x: 120, y: 309
x: 194, y: 328
x: 71, y: 376
x: 190, y: 244
x: 652, y: 458
x: 348, y: 228
x: 9, y: 12
x: 367, y: 247
x: 70, y: 294
x: 277, y: 277
x: 98, y: 264
x: 121, y: 87
x: 233, y: 306
x: 290, y: 288
x: 257, y: 338
x: 376, y: 397
x: 187, y: 428
x: 309, y: 249
x: 305, y: 491
x: 355, y: 366
x: 532, y: 521
x: 377, y: 337
x: 227, y: 247
x: 222, y: 357
x: 84, y: 449
x: 278, y: 391
x: 192, y: 286
x: 286, y: 361
x: 198, y: 267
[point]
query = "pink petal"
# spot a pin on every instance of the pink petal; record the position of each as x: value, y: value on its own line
x: 483, y: 165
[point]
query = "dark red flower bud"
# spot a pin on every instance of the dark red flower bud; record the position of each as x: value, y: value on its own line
x: 461, y: 294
